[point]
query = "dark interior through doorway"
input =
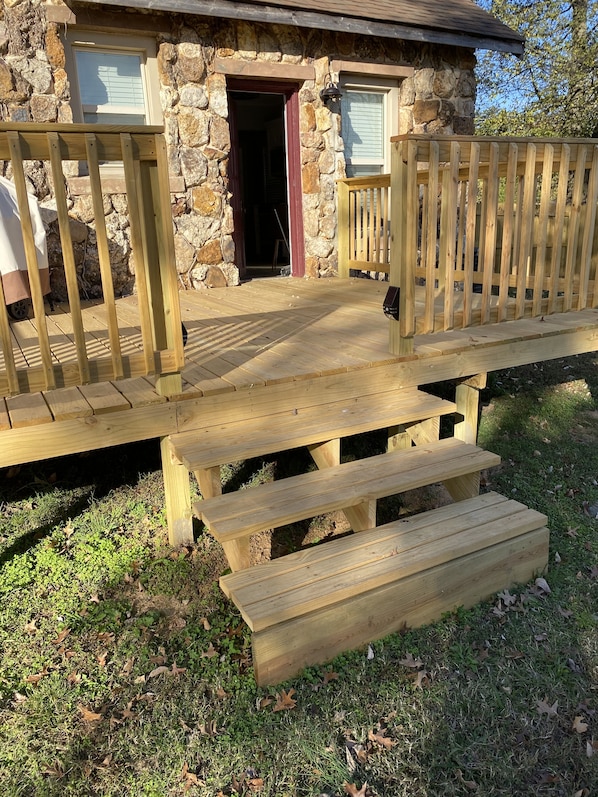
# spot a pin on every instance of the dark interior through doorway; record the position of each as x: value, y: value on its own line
x: 259, y: 119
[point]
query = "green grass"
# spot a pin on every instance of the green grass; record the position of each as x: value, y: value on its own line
x: 125, y: 671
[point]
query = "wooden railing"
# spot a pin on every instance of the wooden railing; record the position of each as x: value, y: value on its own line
x: 481, y: 230
x: 141, y: 157
x: 363, y: 224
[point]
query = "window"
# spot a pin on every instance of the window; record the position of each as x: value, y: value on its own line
x: 369, y: 117
x: 114, y: 79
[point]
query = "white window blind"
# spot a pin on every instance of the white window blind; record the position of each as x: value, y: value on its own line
x: 363, y: 131
x: 111, y: 87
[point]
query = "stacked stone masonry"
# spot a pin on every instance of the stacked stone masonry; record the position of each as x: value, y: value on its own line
x: 34, y: 86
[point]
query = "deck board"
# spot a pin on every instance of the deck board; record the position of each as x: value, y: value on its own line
x: 273, y: 332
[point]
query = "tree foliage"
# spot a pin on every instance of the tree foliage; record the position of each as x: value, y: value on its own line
x: 552, y: 90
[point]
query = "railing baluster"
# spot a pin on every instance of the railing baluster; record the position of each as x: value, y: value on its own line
x: 104, y: 254
x: 542, y: 230
x: 344, y: 229
x: 559, y: 227
x: 385, y: 227
x: 133, y: 194
x: 431, y: 225
x: 508, y: 230
x: 528, y: 204
x: 168, y: 276
x: 10, y: 369
x: 68, y: 258
x: 448, y: 227
x: 489, y: 255
x: 37, y: 298
x: 588, y: 232
x: 470, y: 230
x: 573, y: 235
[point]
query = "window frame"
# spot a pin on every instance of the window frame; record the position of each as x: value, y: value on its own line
x: 389, y: 89
x: 143, y: 46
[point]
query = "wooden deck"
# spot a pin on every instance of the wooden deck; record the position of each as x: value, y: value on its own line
x: 248, y: 350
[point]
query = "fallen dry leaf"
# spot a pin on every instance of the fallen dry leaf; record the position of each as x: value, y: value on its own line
x: 189, y: 777
x: 591, y: 748
x: 543, y: 707
x: 210, y: 652
x: 35, y: 679
x: 88, y: 715
x: 158, y: 671
x: 409, y: 661
x: 285, y: 700
x: 381, y: 739
x: 579, y: 726
x: 542, y: 584
x: 470, y: 785
x: 352, y: 790
x: 61, y: 636
x: 421, y: 679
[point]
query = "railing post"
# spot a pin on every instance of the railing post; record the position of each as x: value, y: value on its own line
x: 403, y: 242
x: 344, y: 234
x: 160, y: 261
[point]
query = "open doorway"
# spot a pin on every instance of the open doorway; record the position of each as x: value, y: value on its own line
x: 262, y: 176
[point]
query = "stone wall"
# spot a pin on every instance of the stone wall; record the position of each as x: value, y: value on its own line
x: 34, y: 86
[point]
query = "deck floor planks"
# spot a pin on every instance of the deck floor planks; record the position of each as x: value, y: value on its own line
x: 281, y: 330
x: 139, y: 392
x: 4, y: 417
x: 28, y: 409
x: 104, y: 397
x: 67, y: 403
x: 96, y: 341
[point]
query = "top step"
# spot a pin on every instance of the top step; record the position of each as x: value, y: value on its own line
x: 208, y: 447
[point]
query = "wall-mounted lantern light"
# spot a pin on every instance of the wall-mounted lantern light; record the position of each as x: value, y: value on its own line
x: 331, y: 96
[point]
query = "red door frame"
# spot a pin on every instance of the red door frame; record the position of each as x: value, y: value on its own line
x: 290, y: 91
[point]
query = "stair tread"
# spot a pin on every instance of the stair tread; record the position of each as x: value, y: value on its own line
x: 233, y: 515
x: 237, y: 440
x: 306, y: 581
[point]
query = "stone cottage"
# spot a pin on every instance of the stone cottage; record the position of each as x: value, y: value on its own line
x: 255, y: 146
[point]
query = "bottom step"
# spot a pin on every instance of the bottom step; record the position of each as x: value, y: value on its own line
x: 375, y: 582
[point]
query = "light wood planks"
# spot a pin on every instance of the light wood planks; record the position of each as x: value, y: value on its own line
x: 276, y: 504
x: 230, y: 441
x: 307, y: 607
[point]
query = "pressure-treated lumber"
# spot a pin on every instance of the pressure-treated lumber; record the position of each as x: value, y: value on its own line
x: 308, y: 606
x: 231, y: 516
x: 230, y: 441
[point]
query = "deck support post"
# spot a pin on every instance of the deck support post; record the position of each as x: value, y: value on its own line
x: 177, y: 497
x: 467, y: 399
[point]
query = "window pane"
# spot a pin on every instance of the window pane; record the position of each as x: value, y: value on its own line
x: 363, y: 125
x: 113, y: 118
x: 107, y: 78
x: 362, y: 170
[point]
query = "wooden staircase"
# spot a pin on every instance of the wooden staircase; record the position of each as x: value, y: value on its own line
x: 308, y: 606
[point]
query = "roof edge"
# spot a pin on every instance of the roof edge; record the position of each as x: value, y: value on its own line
x: 259, y: 12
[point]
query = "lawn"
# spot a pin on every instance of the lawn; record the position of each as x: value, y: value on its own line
x: 124, y: 670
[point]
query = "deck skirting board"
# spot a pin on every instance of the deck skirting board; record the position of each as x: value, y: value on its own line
x: 32, y: 443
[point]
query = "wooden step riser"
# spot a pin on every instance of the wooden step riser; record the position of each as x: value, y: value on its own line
x: 280, y: 652
x: 377, y: 565
x: 280, y: 503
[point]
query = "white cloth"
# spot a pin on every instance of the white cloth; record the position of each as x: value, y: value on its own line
x: 12, y: 248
